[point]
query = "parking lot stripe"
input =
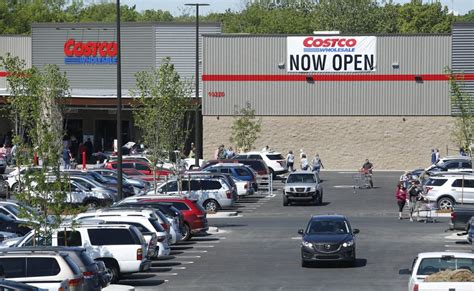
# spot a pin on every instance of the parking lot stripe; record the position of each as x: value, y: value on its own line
x: 193, y: 251
x: 163, y: 273
x: 458, y: 246
x: 296, y: 237
x: 167, y: 268
x: 188, y: 257
x: 203, y: 246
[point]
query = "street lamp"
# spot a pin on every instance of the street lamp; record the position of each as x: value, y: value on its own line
x: 119, y: 109
x: 197, y: 135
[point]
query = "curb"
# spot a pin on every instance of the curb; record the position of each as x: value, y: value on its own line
x: 222, y: 214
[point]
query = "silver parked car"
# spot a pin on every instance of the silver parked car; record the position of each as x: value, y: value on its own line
x: 302, y: 186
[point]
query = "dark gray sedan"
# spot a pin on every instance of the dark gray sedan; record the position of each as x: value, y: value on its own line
x: 328, y: 238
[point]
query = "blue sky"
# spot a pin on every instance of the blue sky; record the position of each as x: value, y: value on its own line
x: 176, y: 6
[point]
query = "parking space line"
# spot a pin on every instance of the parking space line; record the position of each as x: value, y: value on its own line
x: 162, y: 273
x: 209, y: 242
x: 296, y: 238
x: 194, y: 251
x: 188, y: 257
x: 458, y: 246
x: 203, y: 246
x: 167, y: 268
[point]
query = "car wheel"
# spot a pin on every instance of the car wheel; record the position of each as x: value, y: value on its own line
x: 92, y: 204
x: 445, y: 203
x: 305, y: 264
x: 211, y: 205
x: 112, y: 270
x: 285, y: 201
x: 187, y: 232
x: 16, y: 187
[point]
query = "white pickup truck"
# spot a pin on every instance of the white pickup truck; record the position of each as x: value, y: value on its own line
x: 426, y: 264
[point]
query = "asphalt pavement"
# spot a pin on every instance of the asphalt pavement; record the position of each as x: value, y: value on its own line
x: 260, y: 249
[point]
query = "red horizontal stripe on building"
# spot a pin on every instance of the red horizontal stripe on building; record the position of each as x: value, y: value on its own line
x: 3, y: 74
x: 332, y: 78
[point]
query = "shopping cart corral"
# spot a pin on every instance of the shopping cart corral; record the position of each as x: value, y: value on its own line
x: 362, y: 180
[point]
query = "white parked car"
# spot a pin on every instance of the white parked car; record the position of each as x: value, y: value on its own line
x: 121, y: 247
x: 48, y: 270
x: 451, y: 164
x: 449, y: 189
x: 274, y: 161
x: 211, y: 193
x: 144, y: 219
x: 426, y: 264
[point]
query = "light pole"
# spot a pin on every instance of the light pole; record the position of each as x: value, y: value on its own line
x: 119, y: 109
x: 197, y: 117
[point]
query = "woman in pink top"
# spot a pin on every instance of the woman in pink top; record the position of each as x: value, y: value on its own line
x: 401, y: 195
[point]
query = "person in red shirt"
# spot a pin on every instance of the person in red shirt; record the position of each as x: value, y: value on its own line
x: 401, y: 196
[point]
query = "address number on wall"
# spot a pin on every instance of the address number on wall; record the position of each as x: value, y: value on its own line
x: 216, y: 94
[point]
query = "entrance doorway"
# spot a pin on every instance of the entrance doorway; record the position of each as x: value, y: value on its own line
x: 106, y: 132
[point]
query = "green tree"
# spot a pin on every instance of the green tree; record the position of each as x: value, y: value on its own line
x: 160, y: 107
x: 419, y: 17
x: 36, y: 103
x: 463, y: 106
x: 245, y: 128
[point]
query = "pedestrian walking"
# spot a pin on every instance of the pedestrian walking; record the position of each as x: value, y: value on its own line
x: 413, y: 197
x: 317, y: 164
x: 230, y: 153
x: 366, y: 169
x: 438, y: 156
x: 462, y: 152
x: 266, y: 149
x: 401, y: 196
x: 290, y: 161
x: 433, y: 156
x: 405, y: 179
x: 222, y: 151
x: 89, y: 149
x: 67, y: 158
x: 302, y: 153
x: 192, y: 151
x: 304, y: 163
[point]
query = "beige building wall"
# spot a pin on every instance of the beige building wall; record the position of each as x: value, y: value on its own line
x: 344, y: 142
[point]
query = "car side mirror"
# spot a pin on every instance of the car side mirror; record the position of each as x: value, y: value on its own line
x: 300, y: 231
x: 355, y: 231
x: 404, y: 272
x: 159, y: 190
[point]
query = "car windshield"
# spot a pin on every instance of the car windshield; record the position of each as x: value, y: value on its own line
x: 301, y: 178
x: 430, y: 266
x: 327, y: 226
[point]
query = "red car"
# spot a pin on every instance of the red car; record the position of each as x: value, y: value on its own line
x: 140, y: 166
x: 195, y: 217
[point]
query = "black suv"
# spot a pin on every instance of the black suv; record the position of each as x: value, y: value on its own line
x: 328, y: 238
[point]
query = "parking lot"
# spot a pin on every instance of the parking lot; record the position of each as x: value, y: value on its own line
x: 259, y: 248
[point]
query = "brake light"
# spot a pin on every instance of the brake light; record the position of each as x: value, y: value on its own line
x: 76, y: 282
x: 415, y: 288
x: 229, y: 194
x: 201, y: 215
x: 428, y: 189
x: 165, y: 226
x: 139, y: 254
x: 453, y: 216
x: 88, y: 275
x: 161, y: 238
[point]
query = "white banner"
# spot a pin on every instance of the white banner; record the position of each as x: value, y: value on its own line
x: 331, y: 53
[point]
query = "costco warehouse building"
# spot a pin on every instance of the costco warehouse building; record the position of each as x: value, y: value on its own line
x: 382, y: 97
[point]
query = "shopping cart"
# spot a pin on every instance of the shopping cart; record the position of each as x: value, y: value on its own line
x: 425, y: 211
x: 362, y: 180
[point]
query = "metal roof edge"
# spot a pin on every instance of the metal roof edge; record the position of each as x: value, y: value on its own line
x: 309, y: 34
x: 111, y: 24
